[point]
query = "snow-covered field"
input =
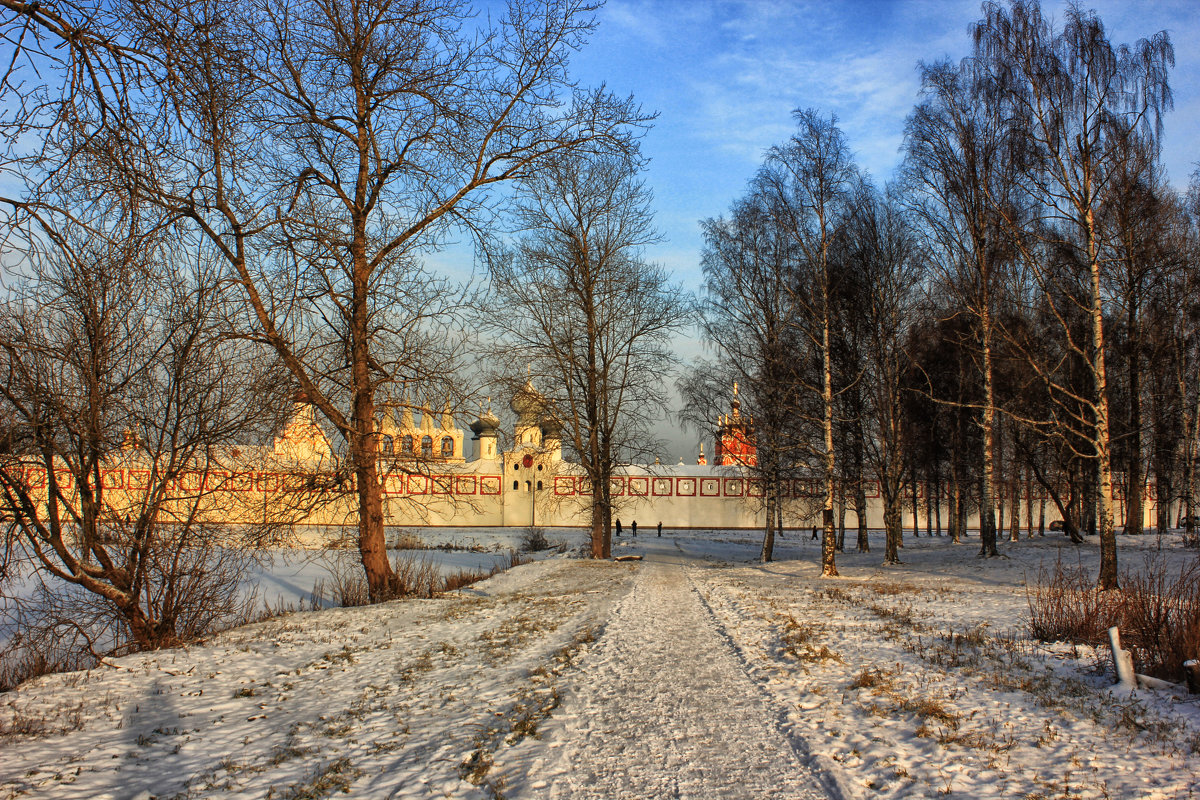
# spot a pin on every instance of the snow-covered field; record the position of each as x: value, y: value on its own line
x: 693, y: 673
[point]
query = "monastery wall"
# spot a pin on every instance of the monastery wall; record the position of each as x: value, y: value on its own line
x: 427, y: 481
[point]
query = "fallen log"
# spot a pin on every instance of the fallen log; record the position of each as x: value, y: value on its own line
x: 628, y: 558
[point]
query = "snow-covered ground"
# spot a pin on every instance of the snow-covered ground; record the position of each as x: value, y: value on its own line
x: 696, y: 672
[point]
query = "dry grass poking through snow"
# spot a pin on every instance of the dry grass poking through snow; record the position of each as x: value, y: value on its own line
x: 1157, y: 610
x: 923, y: 682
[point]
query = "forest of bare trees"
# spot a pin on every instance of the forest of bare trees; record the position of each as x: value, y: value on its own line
x: 1007, y: 318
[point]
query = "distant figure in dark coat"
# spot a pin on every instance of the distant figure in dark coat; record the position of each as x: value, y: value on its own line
x: 618, y: 526
x: 633, y: 527
x: 660, y: 529
x: 814, y: 537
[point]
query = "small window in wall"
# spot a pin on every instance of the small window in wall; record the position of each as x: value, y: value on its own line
x: 427, y: 446
x: 447, y: 447
x: 406, y: 445
x: 386, y: 445
x: 515, y: 485
x: 539, y: 467
x: 539, y: 485
x: 516, y: 467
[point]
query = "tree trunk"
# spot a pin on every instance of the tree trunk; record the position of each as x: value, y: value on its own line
x: 892, y: 525
x: 768, y: 545
x: 1165, y: 489
x: 1028, y: 503
x: 937, y: 506
x: 955, y: 520
x: 860, y: 510
x: 1134, y: 512
x: 916, y: 506
x: 601, y: 545
x: 962, y: 515
x: 828, y: 543
x: 1014, y: 507
x: 928, y: 509
x: 1108, y: 541
x: 987, y: 504
x: 841, y: 509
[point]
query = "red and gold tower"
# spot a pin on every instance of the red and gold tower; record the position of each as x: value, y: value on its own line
x: 735, y: 437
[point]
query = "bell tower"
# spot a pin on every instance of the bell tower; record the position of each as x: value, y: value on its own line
x: 735, y: 437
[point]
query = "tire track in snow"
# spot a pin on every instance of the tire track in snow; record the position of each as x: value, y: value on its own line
x: 663, y: 707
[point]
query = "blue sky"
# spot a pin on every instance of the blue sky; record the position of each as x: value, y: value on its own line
x: 725, y: 77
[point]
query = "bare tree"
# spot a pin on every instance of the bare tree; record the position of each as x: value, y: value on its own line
x: 882, y: 251
x: 116, y: 363
x: 320, y: 149
x: 1075, y: 96
x: 1136, y: 212
x: 962, y: 161
x: 749, y: 316
x: 808, y: 185
x: 579, y: 308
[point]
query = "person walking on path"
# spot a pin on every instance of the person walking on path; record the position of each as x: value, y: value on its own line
x: 633, y: 527
x: 619, y: 526
x: 660, y: 529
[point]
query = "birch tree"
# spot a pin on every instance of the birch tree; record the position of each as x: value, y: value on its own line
x: 885, y: 255
x: 808, y: 184
x: 1074, y: 96
x: 962, y: 164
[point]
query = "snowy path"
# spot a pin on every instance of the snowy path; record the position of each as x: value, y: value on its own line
x: 664, y: 708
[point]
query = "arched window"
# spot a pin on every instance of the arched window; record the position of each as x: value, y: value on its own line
x: 515, y: 485
x: 427, y: 446
x: 447, y: 447
x: 386, y: 445
x: 406, y: 445
x: 539, y: 485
